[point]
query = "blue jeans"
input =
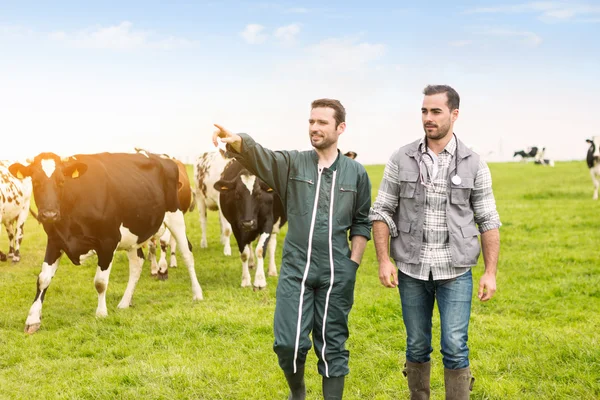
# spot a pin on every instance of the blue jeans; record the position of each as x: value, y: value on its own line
x: 454, y: 302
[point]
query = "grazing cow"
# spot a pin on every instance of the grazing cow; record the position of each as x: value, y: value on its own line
x: 529, y: 152
x: 208, y: 169
x: 540, y: 160
x: 253, y: 210
x: 15, y: 196
x: 593, y: 163
x: 102, y: 203
x: 351, y: 154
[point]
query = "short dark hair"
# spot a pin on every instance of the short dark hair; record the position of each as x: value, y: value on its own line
x: 453, y: 98
x: 339, y: 110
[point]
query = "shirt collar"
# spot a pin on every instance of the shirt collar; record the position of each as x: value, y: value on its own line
x: 450, y: 147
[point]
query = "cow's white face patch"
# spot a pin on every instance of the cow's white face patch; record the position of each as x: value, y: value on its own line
x: 248, y: 181
x: 48, y: 166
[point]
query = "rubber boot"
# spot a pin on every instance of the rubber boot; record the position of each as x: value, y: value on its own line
x: 333, y: 388
x: 418, y: 376
x: 459, y: 383
x: 296, y: 384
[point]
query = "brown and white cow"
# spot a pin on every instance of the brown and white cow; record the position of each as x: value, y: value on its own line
x: 254, y: 211
x: 593, y: 163
x: 351, y: 154
x: 102, y: 203
x: 15, y: 196
x: 207, y: 171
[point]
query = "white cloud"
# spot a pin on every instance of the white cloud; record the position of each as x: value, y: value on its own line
x: 287, y: 34
x: 460, y: 43
x: 548, y: 11
x: 119, y: 37
x: 253, y: 34
x: 528, y: 38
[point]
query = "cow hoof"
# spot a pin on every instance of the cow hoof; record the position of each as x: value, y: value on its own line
x: 173, y: 266
x: 33, y: 328
x: 163, y: 276
x: 227, y: 252
x: 3, y: 257
x: 258, y: 288
x: 273, y: 273
x: 154, y: 274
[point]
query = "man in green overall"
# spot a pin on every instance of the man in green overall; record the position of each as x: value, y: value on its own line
x: 326, y: 195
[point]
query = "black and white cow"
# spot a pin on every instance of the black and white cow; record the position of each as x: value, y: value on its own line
x: 15, y: 196
x: 207, y: 171
x: 593, y: 163
x: 254, y: 211
x: 101, y: 203
x: 529, y: 152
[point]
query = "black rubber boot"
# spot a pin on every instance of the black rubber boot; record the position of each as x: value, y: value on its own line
x: 333, y: 388
x: 296, y: 384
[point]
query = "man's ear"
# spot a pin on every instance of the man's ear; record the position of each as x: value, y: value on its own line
x: 20, y: 171
x: 74, y: 170
x: 454, y: 114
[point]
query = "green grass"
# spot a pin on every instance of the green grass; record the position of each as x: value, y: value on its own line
x: 538, y: 338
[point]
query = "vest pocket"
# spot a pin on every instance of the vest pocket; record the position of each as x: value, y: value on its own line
x: 461, y: 194
x: 470, y: 235
x: 408, y: 183
x: 299, y: 195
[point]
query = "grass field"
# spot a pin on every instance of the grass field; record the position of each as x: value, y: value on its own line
x: 538, y: 338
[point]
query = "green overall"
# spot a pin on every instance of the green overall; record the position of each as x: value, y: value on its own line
x: 315, y: 292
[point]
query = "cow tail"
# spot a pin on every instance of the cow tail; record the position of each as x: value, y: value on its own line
x: 34, y: 214
x: 193, y: 204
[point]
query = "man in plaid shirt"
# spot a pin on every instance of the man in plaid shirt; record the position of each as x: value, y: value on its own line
x: 434, y: 200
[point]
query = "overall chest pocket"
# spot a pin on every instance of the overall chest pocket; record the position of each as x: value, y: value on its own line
x: 344, y: 202
x: 461, y: 194
x: 408, y: 183
x: 300, y: 194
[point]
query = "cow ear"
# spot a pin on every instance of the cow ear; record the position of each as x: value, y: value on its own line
x: 19, y: 170
x: 265, y: 187
x: 74, y: 170
x: 223, y: 186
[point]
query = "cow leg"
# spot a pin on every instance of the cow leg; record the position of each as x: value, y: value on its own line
x: 173, y: 248
x: 202, y: 211
x: 595, y: 181
x: 225, y: 233
x: 152, y: 257
x: 136, y: 260
x: 10, y: 232
x: 251, y: 259
x: 244, y: 255
x: 105, y: 261
x: 271, y: 247
x: 260, y: 282
x: 2, y: 255
x: 20, y: 233
x: 51, y: 260
x: 176, y: 224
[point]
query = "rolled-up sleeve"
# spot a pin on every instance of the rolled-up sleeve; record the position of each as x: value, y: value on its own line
x: 386, y: 202
x: 483, y: 201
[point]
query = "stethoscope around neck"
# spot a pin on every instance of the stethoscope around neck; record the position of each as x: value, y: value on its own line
x: 456, y: 180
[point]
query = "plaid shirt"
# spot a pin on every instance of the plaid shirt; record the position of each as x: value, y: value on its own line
x: 435, y: 255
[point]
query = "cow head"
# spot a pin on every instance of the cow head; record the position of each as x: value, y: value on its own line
x: 247, y: 193
x: 48, y: 174
x: 593, y: 154
x: 351, y: 154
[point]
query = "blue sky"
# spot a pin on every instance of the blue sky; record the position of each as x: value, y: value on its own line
x: 109, y: 76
